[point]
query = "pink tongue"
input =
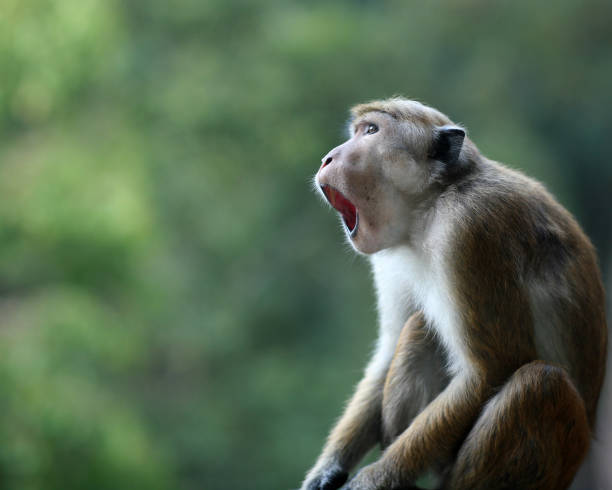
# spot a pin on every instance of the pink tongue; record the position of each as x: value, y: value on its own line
x: 342, y: 205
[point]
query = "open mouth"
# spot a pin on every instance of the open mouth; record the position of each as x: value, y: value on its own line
x: 346, y: 208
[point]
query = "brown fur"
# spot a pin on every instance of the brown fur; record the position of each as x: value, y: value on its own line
x: 409, y: 385
x: 531, y: 435
x: 505, y: 395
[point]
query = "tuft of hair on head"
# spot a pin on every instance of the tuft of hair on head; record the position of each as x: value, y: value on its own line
x: 402, y: 109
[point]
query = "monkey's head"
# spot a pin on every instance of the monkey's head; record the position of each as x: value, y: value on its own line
x: 399, y: 156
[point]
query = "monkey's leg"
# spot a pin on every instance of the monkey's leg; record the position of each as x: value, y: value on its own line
x: 417, y: 375
x: 532, y: 435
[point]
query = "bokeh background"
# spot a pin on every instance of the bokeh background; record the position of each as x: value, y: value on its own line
x: 177, y: 309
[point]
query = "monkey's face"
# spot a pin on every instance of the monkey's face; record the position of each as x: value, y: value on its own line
x: 375, y: 180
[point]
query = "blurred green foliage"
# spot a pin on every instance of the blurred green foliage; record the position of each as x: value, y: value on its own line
x: 177, y: 309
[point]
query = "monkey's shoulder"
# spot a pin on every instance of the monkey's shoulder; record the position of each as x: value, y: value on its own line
x: 505, y: 215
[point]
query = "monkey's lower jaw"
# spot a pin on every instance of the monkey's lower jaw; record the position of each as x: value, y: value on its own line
x: 346, y: 208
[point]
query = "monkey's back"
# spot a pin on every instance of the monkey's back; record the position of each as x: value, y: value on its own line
x: 513, y: 226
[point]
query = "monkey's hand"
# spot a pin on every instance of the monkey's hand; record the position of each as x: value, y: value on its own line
x: 328, y: 476
x: 368, y: 478
x: 374, y: 477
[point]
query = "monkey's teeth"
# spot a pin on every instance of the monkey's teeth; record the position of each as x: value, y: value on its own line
x: 345, y: 207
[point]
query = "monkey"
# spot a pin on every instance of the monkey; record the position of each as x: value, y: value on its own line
x: 492, y: 337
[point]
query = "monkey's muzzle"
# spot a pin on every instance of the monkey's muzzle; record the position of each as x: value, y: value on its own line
x: 346, y: 208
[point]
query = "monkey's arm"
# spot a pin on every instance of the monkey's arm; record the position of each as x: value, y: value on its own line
x: 355, y: 433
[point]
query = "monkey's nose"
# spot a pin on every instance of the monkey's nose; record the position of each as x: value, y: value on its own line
x: 326, y: 161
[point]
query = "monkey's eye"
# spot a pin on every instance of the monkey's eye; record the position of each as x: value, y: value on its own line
x: 371, y: 129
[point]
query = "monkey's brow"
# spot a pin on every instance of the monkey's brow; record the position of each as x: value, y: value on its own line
x: 362, y: 121
x: 363, y: 118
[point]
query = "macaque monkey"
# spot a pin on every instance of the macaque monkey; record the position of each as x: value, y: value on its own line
x: 492, y: 343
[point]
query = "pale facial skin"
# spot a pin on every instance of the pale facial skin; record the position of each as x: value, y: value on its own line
x: 380, y: 180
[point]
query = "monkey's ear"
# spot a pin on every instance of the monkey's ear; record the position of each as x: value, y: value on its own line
x: 447, y: 144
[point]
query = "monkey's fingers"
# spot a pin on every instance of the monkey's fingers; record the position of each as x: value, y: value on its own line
x: 333, y: 480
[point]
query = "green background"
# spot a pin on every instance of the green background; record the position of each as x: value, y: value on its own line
x: 177, y: 308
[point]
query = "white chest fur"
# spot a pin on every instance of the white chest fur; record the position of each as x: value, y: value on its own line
x: 408, y: 281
